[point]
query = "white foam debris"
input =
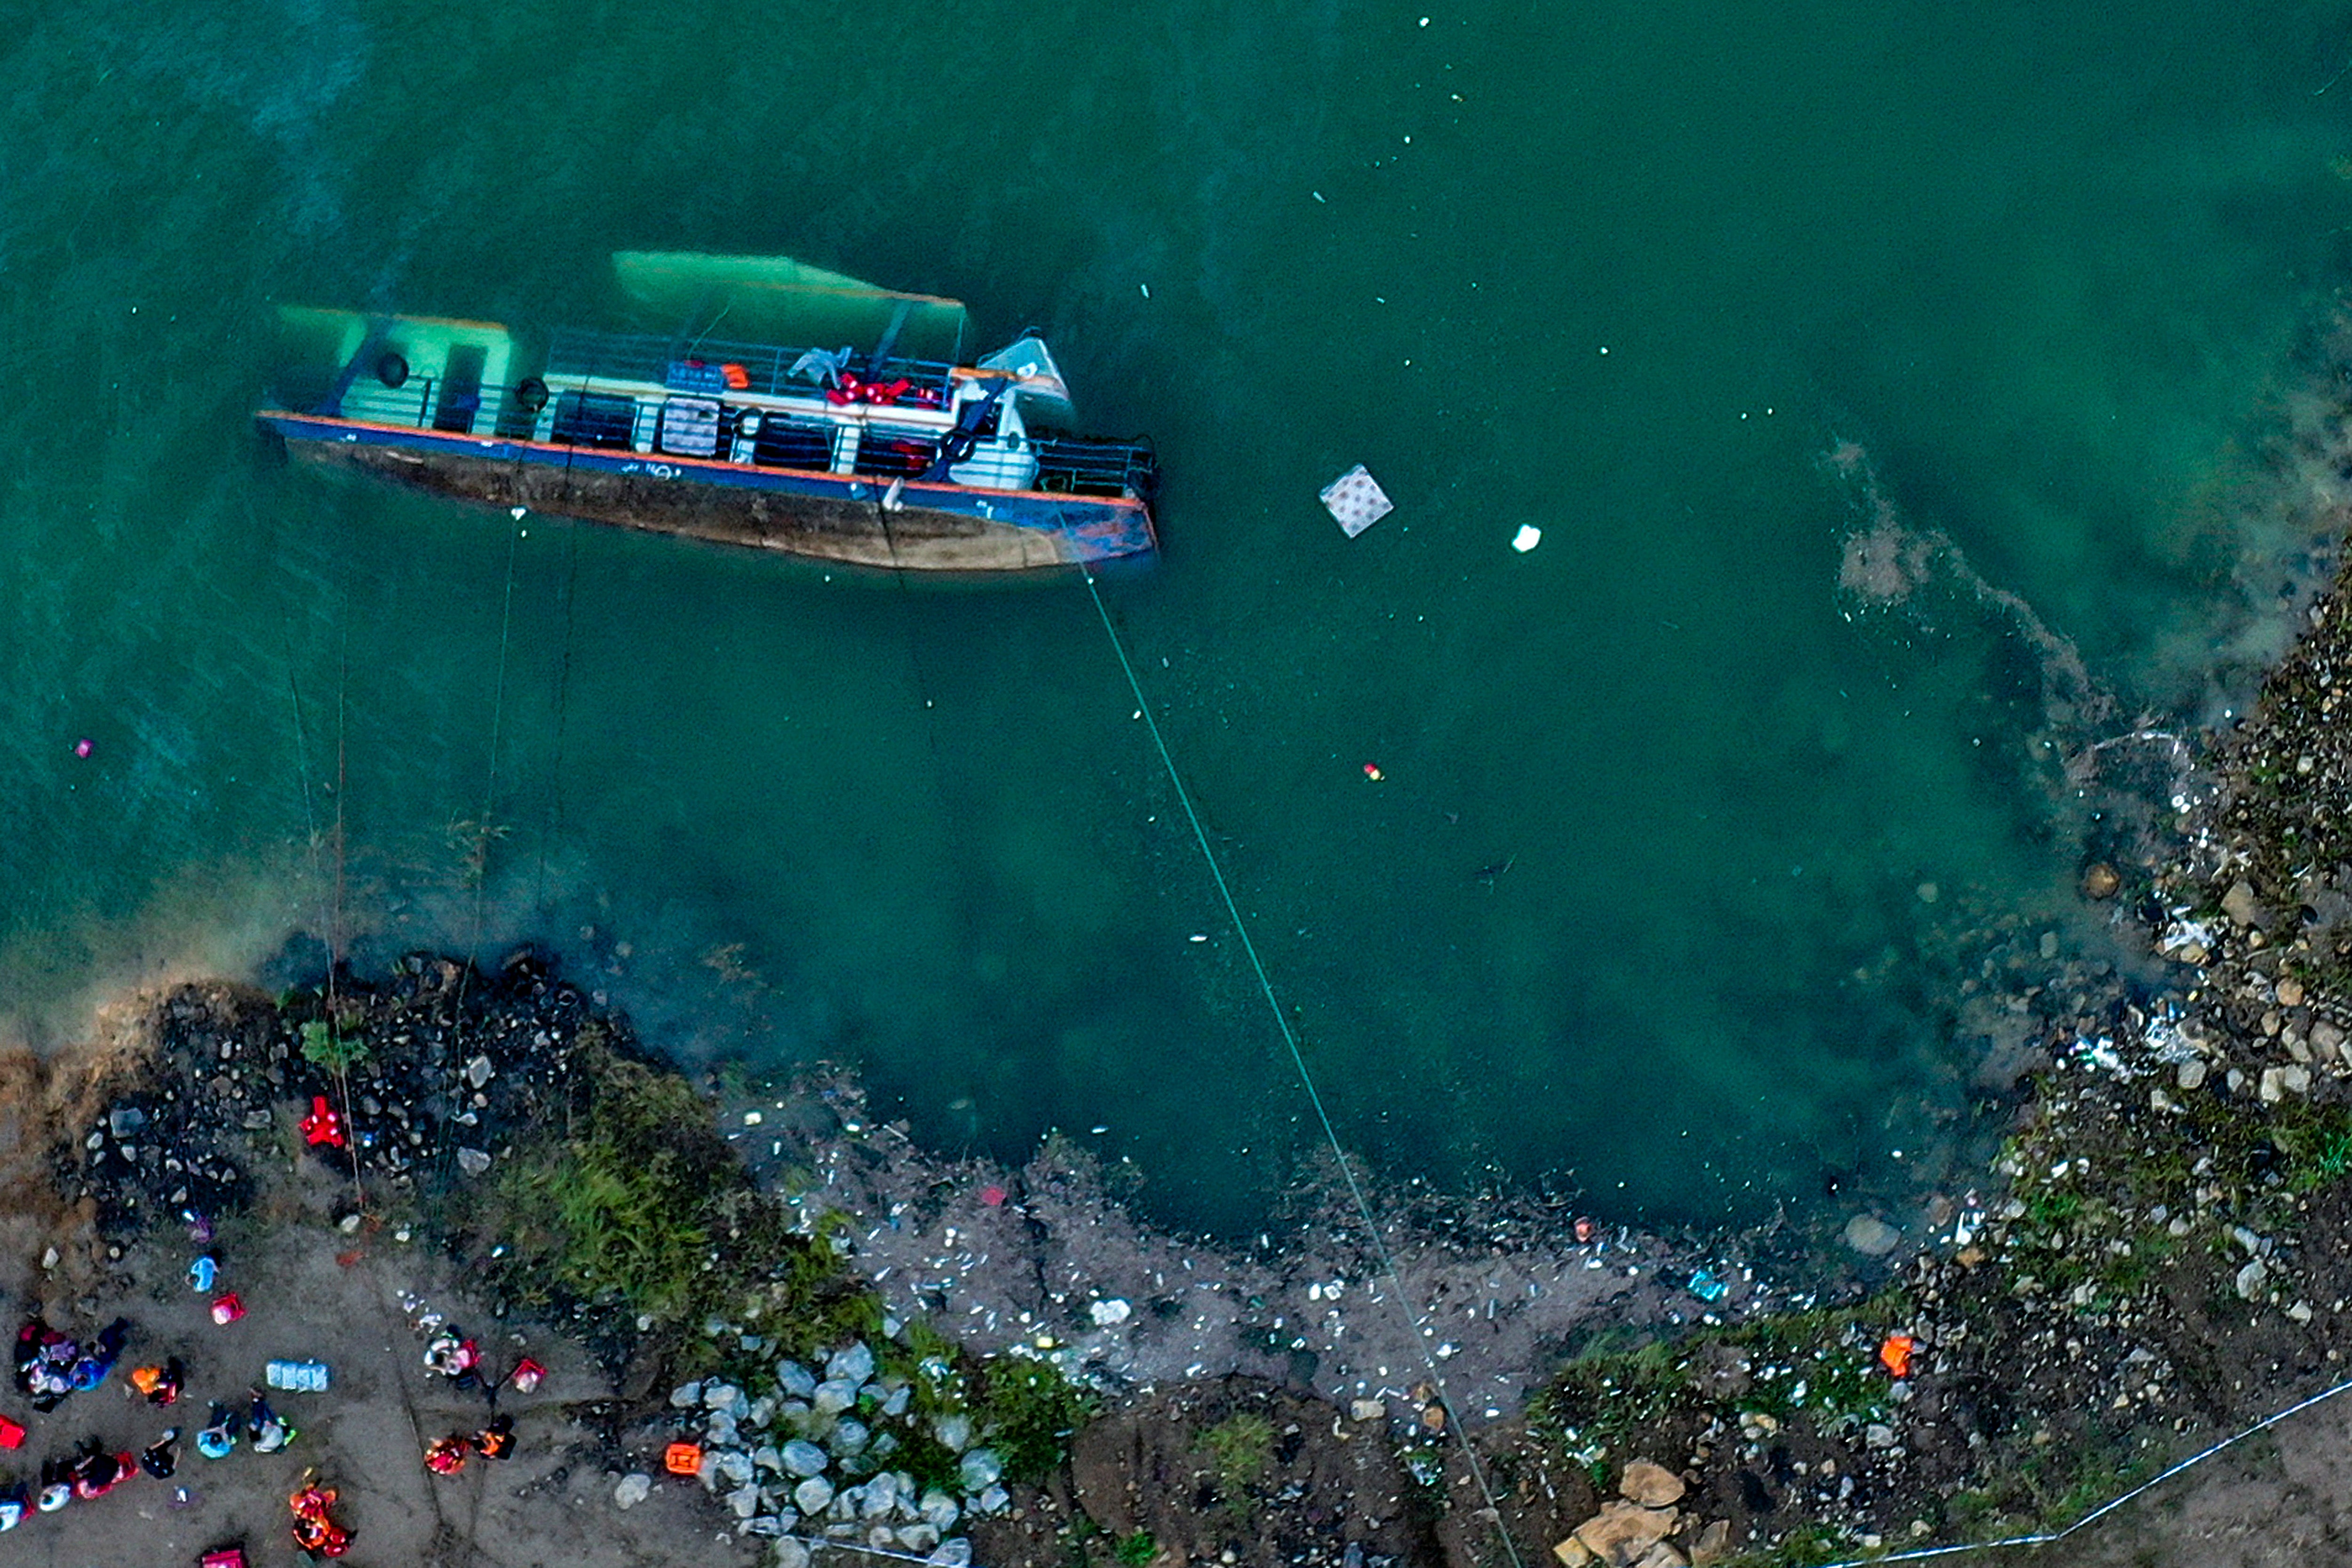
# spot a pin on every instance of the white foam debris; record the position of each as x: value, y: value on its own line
x: 1527, y: 538
x: 1356, y: 499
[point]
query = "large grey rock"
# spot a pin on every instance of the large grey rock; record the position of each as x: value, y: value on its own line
x: 634, y: 1489
x: 2239, y: 904
x: 791, y: 1553
x: 834, y: 1395
x: 852, y: 1365
x: 795, y: 1380
x: 1872, y: 1237
x: 813, y: 1495
x: 802, y: 1459
x: 979, y: 1469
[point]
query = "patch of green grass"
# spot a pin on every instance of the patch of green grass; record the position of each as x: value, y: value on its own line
x: 1137, y: 1550
x: 324, y: 1045
x: 635, y: 1207
x: 1240, y: 1450
x: 1599, y: 1402
x: 1027, y: 1410
x: 1604, y: 1396
x: 1808, y: 1546
x: 2314, y: 1143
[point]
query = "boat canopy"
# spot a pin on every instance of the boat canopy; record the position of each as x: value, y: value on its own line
x: 781, y: 299
x: 1043, y: 396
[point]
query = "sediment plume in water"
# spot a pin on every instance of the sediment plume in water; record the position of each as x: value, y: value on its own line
x: 208, y: 922
x: 1886, y: 562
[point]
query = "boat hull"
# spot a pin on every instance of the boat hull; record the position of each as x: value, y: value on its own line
x: 855, y: 520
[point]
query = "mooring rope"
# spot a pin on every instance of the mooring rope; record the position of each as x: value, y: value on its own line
x: 1416, y: 1318
x: 481, y: 867
x: 551, y: 825
x: 2048, y: 1537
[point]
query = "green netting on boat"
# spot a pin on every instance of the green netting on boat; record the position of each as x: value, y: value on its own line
x: 780, y: 299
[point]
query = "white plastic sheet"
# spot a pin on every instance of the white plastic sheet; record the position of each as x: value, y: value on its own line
x: 1357, y: 500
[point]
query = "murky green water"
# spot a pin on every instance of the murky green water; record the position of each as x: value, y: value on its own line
x: 2043, y: 262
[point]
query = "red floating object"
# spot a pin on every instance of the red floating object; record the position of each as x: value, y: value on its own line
x: 1372, y: 772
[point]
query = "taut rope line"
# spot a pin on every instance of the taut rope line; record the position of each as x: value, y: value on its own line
x: 1306, y: 1077
x: 481, y: 869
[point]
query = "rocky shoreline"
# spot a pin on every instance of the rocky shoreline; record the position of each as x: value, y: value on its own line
x: 869, y: 1346
x: 958, y: 1363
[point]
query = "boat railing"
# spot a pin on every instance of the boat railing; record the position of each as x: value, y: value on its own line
x: 1094, y: 465
x: 1072, y: 465
x: 420, y: 401
x: 716, y: 367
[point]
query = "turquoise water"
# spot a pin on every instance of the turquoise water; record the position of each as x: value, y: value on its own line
x: 1626, y: 274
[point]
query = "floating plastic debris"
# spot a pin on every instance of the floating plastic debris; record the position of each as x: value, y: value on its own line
x: 1527, y: 538
x: 1356, y: 499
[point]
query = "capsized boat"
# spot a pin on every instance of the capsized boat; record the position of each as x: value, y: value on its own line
x: 854, y: 432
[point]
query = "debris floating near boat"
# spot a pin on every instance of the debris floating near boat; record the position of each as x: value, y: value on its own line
x: 1356, y: 499
x: 1527, y: 538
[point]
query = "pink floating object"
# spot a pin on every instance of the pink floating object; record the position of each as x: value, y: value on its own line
x: 993, y: 1196
x: 82, y: 747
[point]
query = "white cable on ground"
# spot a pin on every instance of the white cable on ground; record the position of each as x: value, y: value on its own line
x: 1421, y: 1331
x: 2049, y: 1537
x: 817, y: 1543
